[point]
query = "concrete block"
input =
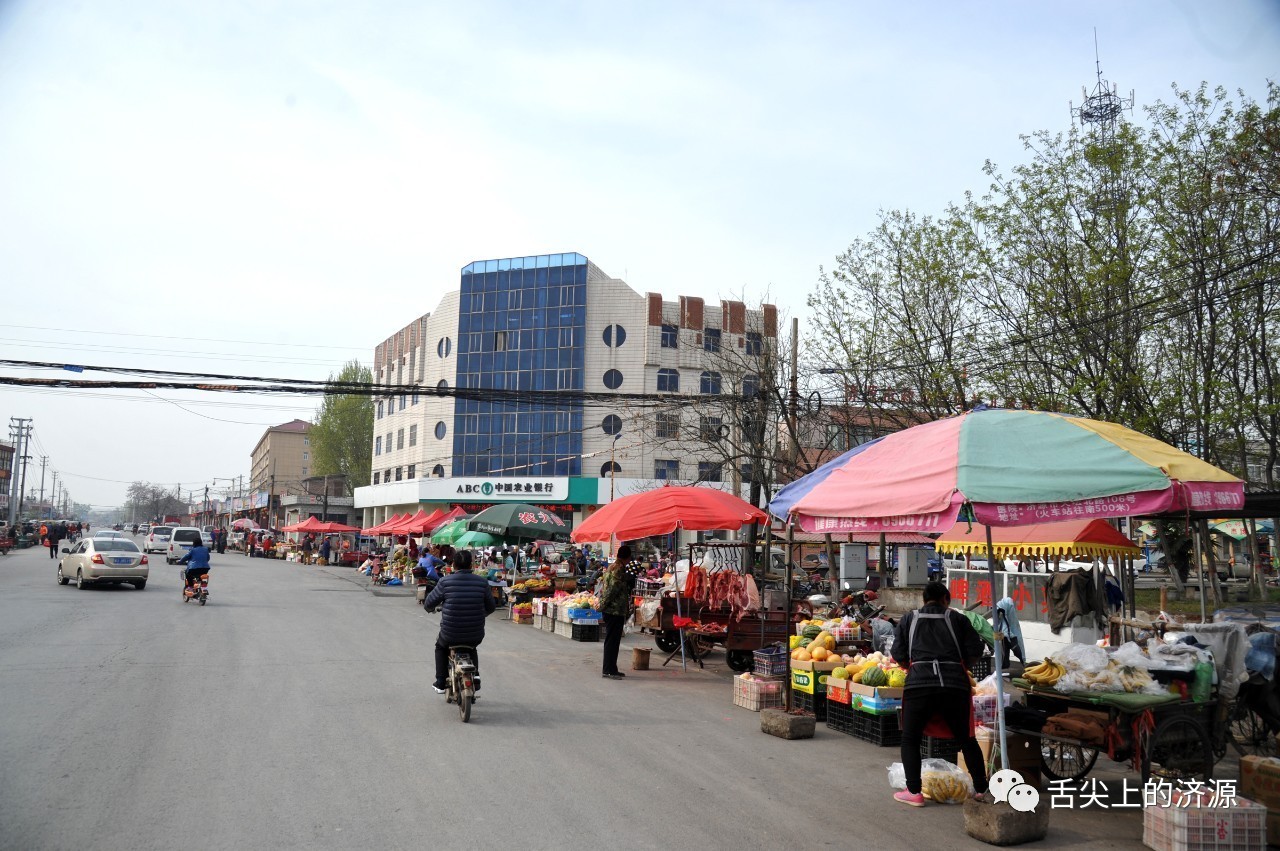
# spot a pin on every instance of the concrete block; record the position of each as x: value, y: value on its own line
x: 784, y: 725
x: 1001, y: 824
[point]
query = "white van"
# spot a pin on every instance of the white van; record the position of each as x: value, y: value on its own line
x: 182, y: 539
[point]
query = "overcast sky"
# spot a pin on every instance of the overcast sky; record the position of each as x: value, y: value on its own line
x: 270, y: 189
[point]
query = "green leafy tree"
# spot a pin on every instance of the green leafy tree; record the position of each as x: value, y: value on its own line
x: 343, y: 429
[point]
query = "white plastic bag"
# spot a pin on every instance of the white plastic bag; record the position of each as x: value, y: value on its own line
x: 1132, y: 655
x: 940, y: 781
x: 1080, y: 657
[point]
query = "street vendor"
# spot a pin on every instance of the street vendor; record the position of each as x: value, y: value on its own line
x: 937, y: 644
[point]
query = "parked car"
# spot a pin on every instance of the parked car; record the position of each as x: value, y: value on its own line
x: 182, y: 539
x: 109, y: 533
x: 103, y: 560
x: 157, y: 539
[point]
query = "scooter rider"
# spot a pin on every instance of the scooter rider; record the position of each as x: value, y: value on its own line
x: 197, y: 563
x: 465, y: 601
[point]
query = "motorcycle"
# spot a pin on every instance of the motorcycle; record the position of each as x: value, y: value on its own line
x: 196, y: 590
x: 460, y: 687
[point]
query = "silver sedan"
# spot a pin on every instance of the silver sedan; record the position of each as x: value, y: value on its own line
x: 103, y: 560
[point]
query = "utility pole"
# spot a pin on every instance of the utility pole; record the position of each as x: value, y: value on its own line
x: 53, y: 495
x: 20, y: 430
x: 44, y: 460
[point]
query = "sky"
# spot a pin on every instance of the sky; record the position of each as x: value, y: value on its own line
x: 273, y: 188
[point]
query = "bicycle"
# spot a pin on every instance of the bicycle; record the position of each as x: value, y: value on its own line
x: 460, y: 686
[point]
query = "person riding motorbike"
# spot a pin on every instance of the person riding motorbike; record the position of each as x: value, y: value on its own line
x: 465, y: 601
x: 196, y: 563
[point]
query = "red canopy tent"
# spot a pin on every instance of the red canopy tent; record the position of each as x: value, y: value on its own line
x: 663, y: 510
x: 380, y: 528
x: 417, y: 525
x: 452, y: 515
x: 311, y: 524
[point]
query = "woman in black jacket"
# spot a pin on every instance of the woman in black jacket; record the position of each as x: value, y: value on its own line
x: 936, y: 644
x: 465, y: 601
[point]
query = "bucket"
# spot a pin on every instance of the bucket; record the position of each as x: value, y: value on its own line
x: 639, y: 658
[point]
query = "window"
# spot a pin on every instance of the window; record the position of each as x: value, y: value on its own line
x: 413, y: 437
x: 711, y: 339
x: 500, y: 341
x: 400, y: 469
x: 399, y: 440
x: 386, y: 478
x: 708, y: 471
x: 613, y: 379
x: 443, y: 385
x: 441, y: 430
x: 747, y: 470
x: 668, y: 381
x: 376, y: 477
x: 415, y: 398
x: 443, y: 347
x: 412, y: 471
x: 710, y: 383
x: 377, y: 445
x: 379, y: 410
x: 438, y: 471
x: 609, y: 468
x: 668, y: 425
x: 665, y: 469
x: 836, y: 437
x: 304, y: 471
x: 755, y: 344
x: 611, y: 424
x: 403, y: 398
x: 306, y: 456
x: 750, y: 386
x: 614, y: 336
x: 306, y: 441
x: 710, y: 428
x: 670, y: 336
x: 388, y: 443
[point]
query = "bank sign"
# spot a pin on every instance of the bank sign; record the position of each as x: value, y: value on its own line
x: 496, y: 489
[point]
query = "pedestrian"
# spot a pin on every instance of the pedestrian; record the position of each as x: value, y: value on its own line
x: 222, y: 541
x: 615, y: 604
x: 250, y: 544
x: 936, y: 644
x: 308, y: 544
x: 326, y: 547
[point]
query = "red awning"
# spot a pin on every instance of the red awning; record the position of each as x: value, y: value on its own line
x: 663, y: 510
x: 1094, y: 538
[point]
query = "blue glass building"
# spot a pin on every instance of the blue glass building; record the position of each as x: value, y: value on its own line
x: 521, y: 326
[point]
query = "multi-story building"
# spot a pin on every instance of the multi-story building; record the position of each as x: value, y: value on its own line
x: 6, y: 477
x: 543, y: 379
x: 280, y: 462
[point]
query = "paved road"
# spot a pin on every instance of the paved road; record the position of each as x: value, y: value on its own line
x: 294, y: 711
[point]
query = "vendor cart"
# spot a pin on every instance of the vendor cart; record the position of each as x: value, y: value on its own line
x: 705, y: 629
x: 1164, y: 736
x: 6, y: 544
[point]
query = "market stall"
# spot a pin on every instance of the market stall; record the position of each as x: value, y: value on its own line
x: 1003, y: 468
x: 713, y: 602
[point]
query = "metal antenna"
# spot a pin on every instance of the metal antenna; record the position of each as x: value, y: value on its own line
x: 1099, y: 114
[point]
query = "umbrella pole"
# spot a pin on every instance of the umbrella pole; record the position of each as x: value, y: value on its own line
x: 684, y: 663
x: 998, y: 662
x: 1195, y: 538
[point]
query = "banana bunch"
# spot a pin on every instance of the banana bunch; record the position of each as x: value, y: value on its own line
x: 1133, y: 679
x: 944, y: 788
x: 1045, y: 673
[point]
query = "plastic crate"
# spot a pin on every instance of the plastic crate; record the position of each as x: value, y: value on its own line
x: 984, y: 708
x: 1189, y: 823
x: 757, y: 694
x: 771, y: 661
x: 982, y: 668
x: 841, y: 718
x: 583, y: 632
x: 935, y: 748
x: 583, y: 615
x: 810, y: 704
x: 881, y: 730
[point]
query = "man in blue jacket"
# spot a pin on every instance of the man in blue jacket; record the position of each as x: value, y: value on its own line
x: 465, y: 601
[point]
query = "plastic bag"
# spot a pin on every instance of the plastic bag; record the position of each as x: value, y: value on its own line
x: 940, y: 781
x: 1081, y: 657
x: 1132, y: 655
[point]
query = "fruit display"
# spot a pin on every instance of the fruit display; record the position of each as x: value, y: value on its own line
x: 522, y: 609
x: 875, y: 676
x: 580, y: 600
x: 1046, y: 673
x: 531, y: 585
x: 943, y: 787
x: 874, y: 670
x: 1085, y: 668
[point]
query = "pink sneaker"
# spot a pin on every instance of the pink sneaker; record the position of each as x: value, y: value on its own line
x: 909, y: 798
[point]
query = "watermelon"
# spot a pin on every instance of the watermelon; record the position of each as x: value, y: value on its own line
x: 811, y: 632
x: 874, y: 676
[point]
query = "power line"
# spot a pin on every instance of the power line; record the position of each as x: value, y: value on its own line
x: 185, y: 339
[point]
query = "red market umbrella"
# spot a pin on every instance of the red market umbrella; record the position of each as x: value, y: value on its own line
x: 663, y: 510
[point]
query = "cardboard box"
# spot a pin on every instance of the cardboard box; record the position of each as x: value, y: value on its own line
x: 809, y: 682
x: 1024, y: 753
x: 876, y: 692
x: 815, y: 666
x: 1260, y: 780
x: 838, y: 691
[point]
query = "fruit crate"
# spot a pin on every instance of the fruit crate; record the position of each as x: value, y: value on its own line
x: 881, y: 730
x: 772, y: 661
x: 584, y: 632
x: 934, y: 748
x: 1188, y: 823
x: 841, y: 718
x: 810, y: 704
x: 757, y: 694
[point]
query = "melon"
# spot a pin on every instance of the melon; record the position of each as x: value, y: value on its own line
x: 897, y: 678
x: 874, y: 676
x: 811, y: 632
x: 840, y: 674
x: 795, y: 641
x: 802, y: 655
x: 819, y: 653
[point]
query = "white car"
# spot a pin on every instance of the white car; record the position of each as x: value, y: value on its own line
x: 182, y: 539
x: 110, y: 533
x: 103, y: 560
x: 157, y: 540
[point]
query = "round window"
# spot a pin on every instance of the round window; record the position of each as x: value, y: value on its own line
x: 614, y: 336
x: 613, y: 379
x: 444, y: 347
x: 610, y: 468
x: 441, y: 430
x: 438, y: 471
x: 443, y: 385
x: 611, y: 424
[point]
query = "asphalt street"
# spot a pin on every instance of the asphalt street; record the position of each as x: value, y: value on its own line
x: 295, y: 711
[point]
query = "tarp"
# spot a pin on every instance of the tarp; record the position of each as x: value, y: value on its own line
x: 1092, y: 538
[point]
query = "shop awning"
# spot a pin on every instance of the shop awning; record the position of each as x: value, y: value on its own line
x: 1093, y: 538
